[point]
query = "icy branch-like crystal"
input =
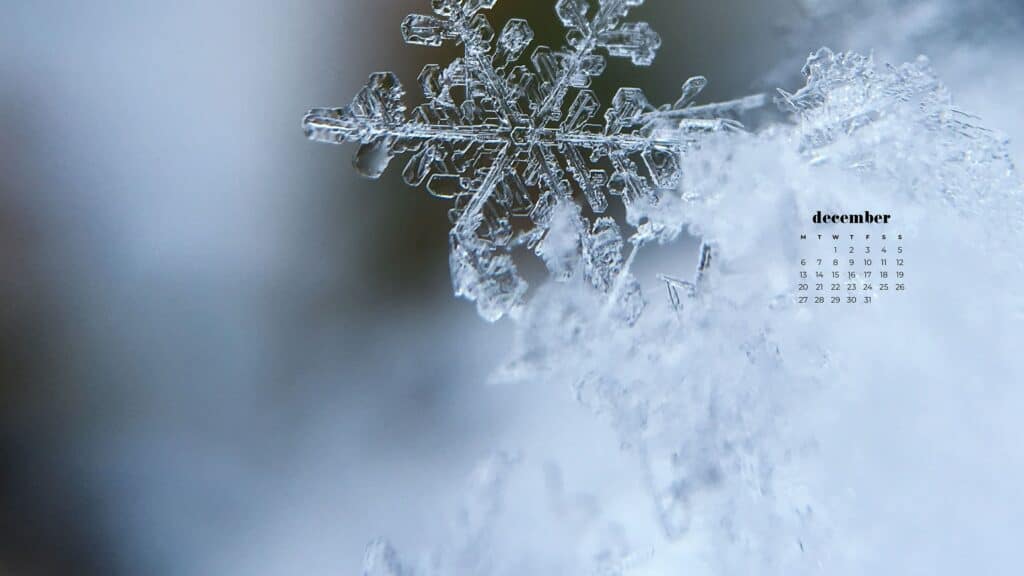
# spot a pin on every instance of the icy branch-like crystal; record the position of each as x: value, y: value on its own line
x: 509, y: 142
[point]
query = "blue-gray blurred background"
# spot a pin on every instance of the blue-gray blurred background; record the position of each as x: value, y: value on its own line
x: 220, y: 350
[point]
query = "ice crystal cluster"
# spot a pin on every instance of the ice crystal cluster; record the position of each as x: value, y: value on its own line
x: 508, y: 140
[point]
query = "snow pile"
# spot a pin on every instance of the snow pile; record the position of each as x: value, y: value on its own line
x: 778, y: 438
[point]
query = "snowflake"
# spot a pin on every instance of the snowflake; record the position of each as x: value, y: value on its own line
x: 509, y: 143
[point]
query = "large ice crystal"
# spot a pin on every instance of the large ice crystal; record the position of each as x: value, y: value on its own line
x: 508, y: 142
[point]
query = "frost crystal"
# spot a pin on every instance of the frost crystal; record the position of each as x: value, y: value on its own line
x: 510, y: 142
x: 849, y: 102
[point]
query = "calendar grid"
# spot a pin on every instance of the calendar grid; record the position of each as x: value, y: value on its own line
x: 850, y: 268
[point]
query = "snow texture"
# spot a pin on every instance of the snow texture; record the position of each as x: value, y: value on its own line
x: 721, y: 392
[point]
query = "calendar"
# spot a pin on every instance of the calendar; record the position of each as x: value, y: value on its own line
x: 850, y: 259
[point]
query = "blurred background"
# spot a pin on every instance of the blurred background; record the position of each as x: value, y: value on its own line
x: 223, y: 352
